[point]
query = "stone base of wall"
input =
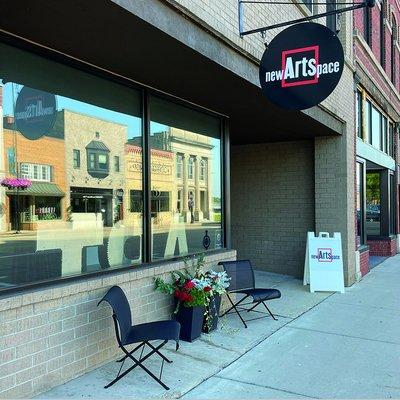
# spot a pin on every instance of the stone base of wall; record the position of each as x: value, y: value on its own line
x: 364, y: 260
x: 52, y: 335
x: 382, y: 247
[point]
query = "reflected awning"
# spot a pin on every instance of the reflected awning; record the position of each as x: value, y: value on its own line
x: 40, y: 189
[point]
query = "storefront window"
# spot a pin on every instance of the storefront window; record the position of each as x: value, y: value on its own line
x: 368, y: 129
x: 376, y: 128
x: 373, y: 200
x: 393, y: 213
x: 69, y: 220
x: 384, y: 134
x: 77, y: 158
x: 360, y: 204
x: 391, y: 139
x: 185, y: 212
x: 179, y: 166
x: 359, y: 124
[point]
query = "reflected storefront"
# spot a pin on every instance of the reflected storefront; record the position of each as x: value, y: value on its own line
x: 79, y: 140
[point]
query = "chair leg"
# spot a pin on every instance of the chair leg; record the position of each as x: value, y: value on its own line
x: 139, y: 363
x: 159, y: 353
x: 272, y: 315
x: 255, y: 305
x: 234, y: 307
x: 131, y: 352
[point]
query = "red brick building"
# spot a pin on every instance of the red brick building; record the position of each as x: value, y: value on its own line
x: 377, y: 104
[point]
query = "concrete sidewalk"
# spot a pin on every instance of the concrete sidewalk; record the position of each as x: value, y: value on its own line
x: 322, y: 346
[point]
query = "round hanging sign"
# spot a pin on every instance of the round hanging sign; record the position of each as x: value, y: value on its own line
x: 301, y: 66
x: 35, y: 112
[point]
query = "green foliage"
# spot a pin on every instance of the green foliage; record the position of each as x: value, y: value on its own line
x: 164, y: 287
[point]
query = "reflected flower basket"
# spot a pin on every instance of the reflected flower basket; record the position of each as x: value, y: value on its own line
x: 16, y: 183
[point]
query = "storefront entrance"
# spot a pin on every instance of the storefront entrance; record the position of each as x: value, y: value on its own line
x: 95, y: 201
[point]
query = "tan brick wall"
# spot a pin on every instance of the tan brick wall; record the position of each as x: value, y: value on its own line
x: 52, y: 335
x: 272, y: 192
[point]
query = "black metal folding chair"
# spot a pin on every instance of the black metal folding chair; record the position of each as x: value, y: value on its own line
x: 242, y: 281
x: 144, y: 333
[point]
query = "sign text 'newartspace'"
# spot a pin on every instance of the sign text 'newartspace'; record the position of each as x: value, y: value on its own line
x: 302, y: 66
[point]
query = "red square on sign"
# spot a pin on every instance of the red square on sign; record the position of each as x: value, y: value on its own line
x: 326, y: 250
x: 286, y: 53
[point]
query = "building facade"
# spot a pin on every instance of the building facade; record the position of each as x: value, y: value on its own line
x: 167, y: 153
x: 377, y: 99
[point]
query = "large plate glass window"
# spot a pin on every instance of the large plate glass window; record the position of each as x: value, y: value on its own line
x: 373, y: 206
x: 393, y: 208
x: 71, y: 171
x: 376, y: 133
x: 360, y: 204
x: 186, y: 202
x: 359, y: 114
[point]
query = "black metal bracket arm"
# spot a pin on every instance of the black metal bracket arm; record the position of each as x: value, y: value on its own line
x: 354, y: 6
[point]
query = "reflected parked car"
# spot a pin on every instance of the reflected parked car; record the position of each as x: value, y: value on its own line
x: 373, y: 212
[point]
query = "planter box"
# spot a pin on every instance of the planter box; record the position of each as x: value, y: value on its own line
x: 215, y: 305
x: 191, y: 320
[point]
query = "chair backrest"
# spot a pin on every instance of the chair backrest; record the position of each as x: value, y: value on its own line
x: 241, y: 274
x: 116, y: 298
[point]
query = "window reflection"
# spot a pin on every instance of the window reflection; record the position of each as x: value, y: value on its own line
x: 186, y: 205
x: 73, y: 215
x: 360, y: 204
x: 373, y: 197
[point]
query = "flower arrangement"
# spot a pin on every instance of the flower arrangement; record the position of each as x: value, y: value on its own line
x: 14, y: 183
x: 192, y: 287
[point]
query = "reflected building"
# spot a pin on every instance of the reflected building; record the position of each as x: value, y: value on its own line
x: 180, y: 177
x: 193, y: 161
x: 162, y: 185
x: 42, y: 161
x: 94, y: 167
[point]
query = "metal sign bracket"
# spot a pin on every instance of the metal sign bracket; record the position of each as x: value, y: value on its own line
x: 263, y: 30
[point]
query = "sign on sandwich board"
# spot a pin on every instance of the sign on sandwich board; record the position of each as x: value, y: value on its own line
x: 323, y: 266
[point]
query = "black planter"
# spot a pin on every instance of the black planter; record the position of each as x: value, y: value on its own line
x: 215, y: 304
x: 191, y: 320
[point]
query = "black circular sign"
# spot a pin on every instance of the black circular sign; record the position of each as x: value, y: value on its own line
x: 35, y: 112
x: 301, y: 66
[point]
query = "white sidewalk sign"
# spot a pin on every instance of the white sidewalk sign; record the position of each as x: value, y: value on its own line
x: 323, y: 265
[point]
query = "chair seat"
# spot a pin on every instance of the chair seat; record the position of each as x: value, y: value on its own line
x: 158, y: 330
x: 262, y: 294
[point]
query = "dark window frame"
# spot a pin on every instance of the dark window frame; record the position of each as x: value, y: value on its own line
x: 76, y: 160
x: 96, y: 168
x: 367, y: 25
x: 331, y: 21
x: 117, y: 164
x: 80, y: 65
x: 393, y: 50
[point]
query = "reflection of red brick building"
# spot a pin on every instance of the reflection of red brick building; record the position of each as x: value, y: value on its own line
x: 43, y: 162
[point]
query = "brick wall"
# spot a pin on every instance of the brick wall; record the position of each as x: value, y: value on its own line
x: 52, y: 335
x: 272, y: 191
x: 364, y: 260
x: 384, y: 247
